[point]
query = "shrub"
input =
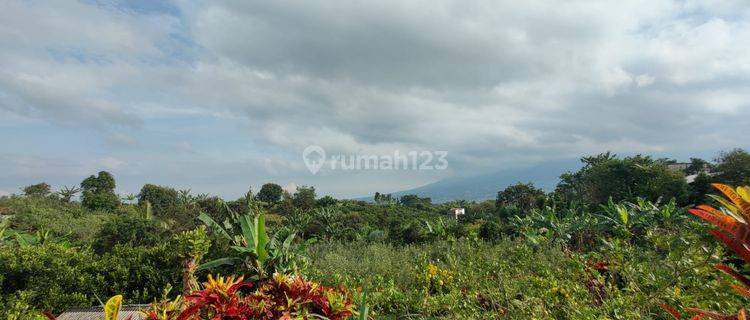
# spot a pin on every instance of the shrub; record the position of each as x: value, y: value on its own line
x: 55, y: 277
x: 281, y: 297
x: 325, y: 202
x: 162, y: 199
x: 130, y: 230
x: 731, y: 230
x: 67, y: 220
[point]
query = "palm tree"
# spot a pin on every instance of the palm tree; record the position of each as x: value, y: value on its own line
x: 66, y: 193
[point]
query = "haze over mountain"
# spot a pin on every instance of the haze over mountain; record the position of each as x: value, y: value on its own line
x: 485, y: 186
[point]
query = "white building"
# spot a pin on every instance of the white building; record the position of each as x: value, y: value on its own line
x: 455, y: 212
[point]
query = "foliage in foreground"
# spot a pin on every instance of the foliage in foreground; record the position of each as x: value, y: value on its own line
x: 515, y: 279
x: 280, y: 297
x: 733, y: 231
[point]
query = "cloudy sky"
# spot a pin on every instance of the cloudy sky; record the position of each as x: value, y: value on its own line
x: 218, y: 96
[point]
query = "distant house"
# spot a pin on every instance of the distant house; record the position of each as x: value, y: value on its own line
x: 97, y: 313
x: 455, y: 212
x: 678, y: 166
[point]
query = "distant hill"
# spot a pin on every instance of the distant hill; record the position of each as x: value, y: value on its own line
x: 485, y: 186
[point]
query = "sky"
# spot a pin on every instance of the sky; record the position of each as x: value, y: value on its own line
x: 220, y: 96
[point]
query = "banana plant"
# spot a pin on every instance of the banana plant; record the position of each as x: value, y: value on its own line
x: 254, y: 250
x: 249, y: 245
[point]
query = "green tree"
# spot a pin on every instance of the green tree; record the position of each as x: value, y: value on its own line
x: 521, y: 195
x: 413, y: 200
x: 304, y: 198
x: 325, y: 201
x: 163, y: 199
x: 270, y: 193
x: 733, y: 168
x: 37, y: 190
x: 699, y: 188
x: 130, y: 230
x: 697, y: 166
x: 99, y: 192
x: 605, y: 176
x: 382, y: 198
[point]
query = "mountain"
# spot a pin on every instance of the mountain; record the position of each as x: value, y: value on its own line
x: 485, y: 186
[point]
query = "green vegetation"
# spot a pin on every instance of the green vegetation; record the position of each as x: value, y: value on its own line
x: 99, y: 192
x: 614, y: 241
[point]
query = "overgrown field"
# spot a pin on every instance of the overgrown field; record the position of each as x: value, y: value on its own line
x: 569, y: 254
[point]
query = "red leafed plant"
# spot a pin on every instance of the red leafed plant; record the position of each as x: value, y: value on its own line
x: 732, y: 229
x: 281, y: 297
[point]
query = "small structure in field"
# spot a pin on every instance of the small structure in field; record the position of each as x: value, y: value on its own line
x: 97, y: 313
x: 456, y: 212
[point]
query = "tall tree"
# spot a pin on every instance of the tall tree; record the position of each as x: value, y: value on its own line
x: 697, y: 166
x: 270, y: 193
x: 37, y: 190
x: 733, y: 168
x: 304, y: 198
x: 99, y: 192
x: 521, y: 195
x: 605, y: 175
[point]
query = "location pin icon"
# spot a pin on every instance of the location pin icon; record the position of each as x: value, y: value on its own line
x: 314, y: 158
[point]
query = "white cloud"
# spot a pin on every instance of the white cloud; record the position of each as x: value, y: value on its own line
x: 492, y: 82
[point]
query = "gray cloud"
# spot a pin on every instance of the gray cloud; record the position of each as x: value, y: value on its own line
x: 495, y: 83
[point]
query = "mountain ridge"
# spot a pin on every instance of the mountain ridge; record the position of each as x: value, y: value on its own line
x: 485, y: 186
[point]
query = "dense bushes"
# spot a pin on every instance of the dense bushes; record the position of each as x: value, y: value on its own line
x: 69, y: 221
x: 56, y: 276
x: 612, y: 242
x: 162, y: 199
x: 605, y: 176
x: 128, y: 229
x: 478, y: 280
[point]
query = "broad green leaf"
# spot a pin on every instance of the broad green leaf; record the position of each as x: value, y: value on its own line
x: 624, y: 215
x: 243, y: 249
x: 363, y: 308
x: 288, y: 241
x: 219, y: 262
x: 215, y: 227
x: 248, y: 231
x: 261, y: 238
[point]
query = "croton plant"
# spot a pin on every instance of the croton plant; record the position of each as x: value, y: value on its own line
x: 281, y: 297
x: 731, y: 228
x: 223, y: 298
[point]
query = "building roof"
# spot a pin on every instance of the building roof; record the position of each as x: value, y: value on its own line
x: 97, y: 313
